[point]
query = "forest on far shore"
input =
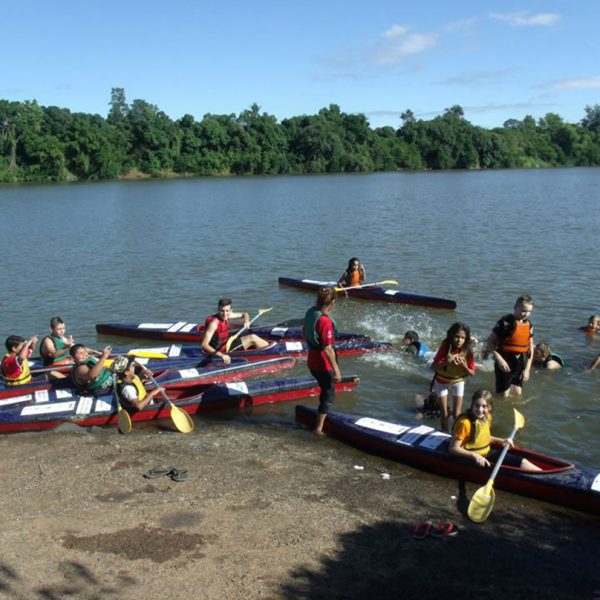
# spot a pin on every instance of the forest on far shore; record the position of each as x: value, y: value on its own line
x: 49, y: 143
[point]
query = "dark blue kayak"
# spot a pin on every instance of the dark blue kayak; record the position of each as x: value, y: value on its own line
x: 423, y: 447
x: 376, y: 293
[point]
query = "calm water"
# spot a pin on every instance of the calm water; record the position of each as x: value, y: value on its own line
x: 166, y: 250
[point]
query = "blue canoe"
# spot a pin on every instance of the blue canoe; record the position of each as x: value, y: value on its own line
x: 423, y: 447
x: 376, y: 293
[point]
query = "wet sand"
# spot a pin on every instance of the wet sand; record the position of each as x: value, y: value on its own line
x: 267, y: 513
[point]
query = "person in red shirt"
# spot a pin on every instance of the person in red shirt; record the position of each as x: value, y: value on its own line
x: 14, y: 366
x: 453, y: 362
x: 319, y: 331
x: 216, y: 332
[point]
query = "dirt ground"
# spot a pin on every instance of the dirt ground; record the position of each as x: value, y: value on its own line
x: 268, y: 512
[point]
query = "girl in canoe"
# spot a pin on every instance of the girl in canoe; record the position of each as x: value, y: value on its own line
x: 453, y: 362
x: 354, y: 274
x: 472, y: 437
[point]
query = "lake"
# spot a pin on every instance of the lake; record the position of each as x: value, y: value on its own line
x: 168, y: 249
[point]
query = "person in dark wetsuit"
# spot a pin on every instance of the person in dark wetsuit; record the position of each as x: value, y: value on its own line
x: 511, y: 344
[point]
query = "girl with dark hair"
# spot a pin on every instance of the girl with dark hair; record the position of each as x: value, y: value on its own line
x: 319, y: 331
x: 354, y: 274
x: 452, y: 364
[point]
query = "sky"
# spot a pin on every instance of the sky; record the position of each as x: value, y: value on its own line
x: 497, y: 59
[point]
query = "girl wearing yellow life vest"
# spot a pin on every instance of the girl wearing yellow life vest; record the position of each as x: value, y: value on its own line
x: 472, y: 437
x: 354, y: 274
x: 130, y: 387
x: 511, y: 344
x: 452, y: 364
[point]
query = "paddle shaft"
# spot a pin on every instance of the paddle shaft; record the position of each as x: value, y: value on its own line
x: 364, y: 285
x: 502, y: 456
x: 230, y: 341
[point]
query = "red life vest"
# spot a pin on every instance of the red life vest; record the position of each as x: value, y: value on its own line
x: 221, y: 335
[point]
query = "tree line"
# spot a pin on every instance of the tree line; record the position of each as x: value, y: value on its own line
x: 54, y: 144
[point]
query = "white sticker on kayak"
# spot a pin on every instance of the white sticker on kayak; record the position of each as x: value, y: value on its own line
x: 383, y: 426
x: 188, y: 373
x: 596, y: 483
x: 279, y: 331
x: 390, y: 292
x: 103, y: 406
x: 162, y: 350
x: 174, y: 351
x: 436, y: 439
x: 44, y: 409
x: 176, y: 327
x: 41, y: 396
x: 84, y: 406
x: 237, y: 386
x: 16, y: 400
x: 293, y: 346
x: 63, y: 394
x: 322, y: 283
x: 154, y: 325
x: 189, y: 327
x: 410, y: 437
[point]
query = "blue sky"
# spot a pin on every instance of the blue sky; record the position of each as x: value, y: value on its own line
x: 496, y: 59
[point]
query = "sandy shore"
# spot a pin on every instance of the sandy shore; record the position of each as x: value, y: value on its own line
x: 269, y: 513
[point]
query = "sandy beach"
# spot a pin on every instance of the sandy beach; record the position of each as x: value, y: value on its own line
x: 267, y: 513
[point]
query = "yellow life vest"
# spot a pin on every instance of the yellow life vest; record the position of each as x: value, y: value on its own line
x: 451, y: 372
x: 24, y: 377
x: 139, y: 386
x: 480, y: 440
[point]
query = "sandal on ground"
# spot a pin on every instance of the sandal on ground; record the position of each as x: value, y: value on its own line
x: 158, y: 472
x: 422, y: 530
x: 445, y: 529
x: 179, y: 475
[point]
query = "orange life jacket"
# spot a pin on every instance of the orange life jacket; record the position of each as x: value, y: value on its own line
x: 519, y: 340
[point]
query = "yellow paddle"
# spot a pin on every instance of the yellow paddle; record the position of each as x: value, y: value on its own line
x: 182, y: 421
x: 124, y: 420
x: 364, y: 285
x: 482, y: 502
x: 146, y: 354
x: 261, y: 311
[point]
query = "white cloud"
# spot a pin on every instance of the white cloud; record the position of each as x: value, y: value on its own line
x: 589, y: 83
x: 401, y: 45
x: 525, y: 19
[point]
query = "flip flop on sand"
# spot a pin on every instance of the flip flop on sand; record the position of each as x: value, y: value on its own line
x: 159, y: 472
x: 422, y: 530
x: 445, y: 529
x: 179, y: 475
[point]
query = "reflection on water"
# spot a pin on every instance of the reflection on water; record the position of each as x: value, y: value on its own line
x: 163, y: 250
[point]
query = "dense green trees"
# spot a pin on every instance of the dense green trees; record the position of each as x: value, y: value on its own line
x: 52, y: 144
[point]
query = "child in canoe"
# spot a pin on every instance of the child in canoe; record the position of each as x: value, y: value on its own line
x: 452, y: 364
x: 472, y: 436
x: 354, y: 274
x: 130, y: 386
x: 15, y: 366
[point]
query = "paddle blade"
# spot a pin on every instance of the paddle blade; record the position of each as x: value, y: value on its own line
x: 388, y: 282
x: 482, y: 503
x: 519, y: 419
x: 182, y: 421
x: 262, y: 311
x: 124, y: 422
x: 146, y: 354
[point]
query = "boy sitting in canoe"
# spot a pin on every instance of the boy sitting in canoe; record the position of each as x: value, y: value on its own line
x: 216, y: 332
x: 130, y: 386
x: 472, y: 437
x: 15, y: 366
x: 89, y: 373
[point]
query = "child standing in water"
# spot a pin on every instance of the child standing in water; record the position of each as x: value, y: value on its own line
x: 511, y: 343
x: 453, y: 362
x: 355, y: 274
